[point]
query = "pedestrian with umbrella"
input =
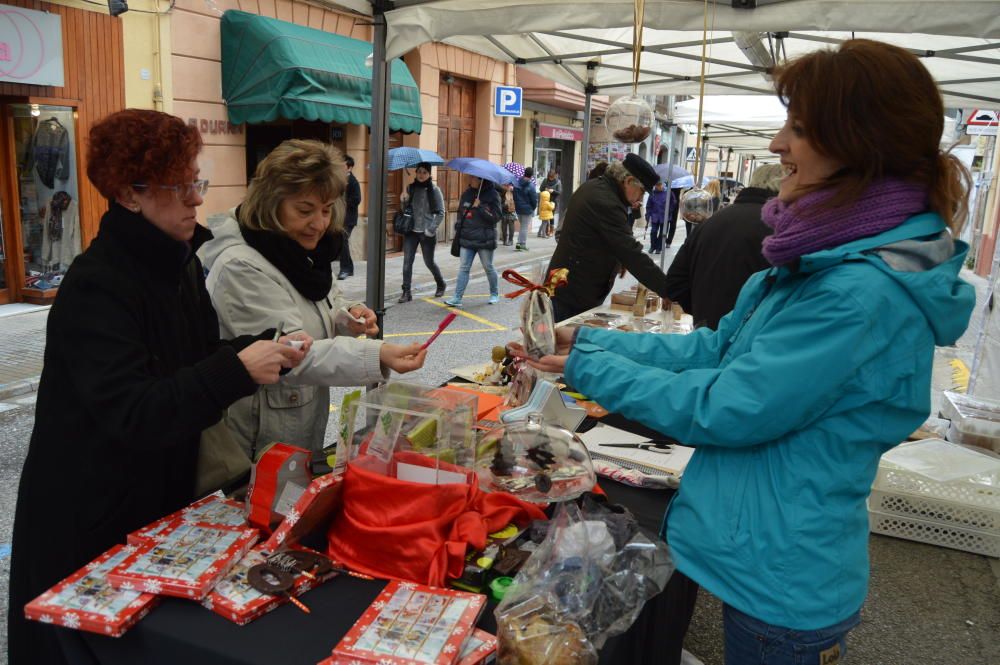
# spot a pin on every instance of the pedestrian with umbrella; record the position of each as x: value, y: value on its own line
x: 479, y: 210
x: 525, y: 202
x: 426, y: 204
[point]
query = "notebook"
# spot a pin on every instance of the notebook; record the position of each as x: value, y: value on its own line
x: 654, y: 462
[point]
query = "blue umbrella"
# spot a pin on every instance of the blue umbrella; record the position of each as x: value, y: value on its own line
x: 670, y: 172
x: 401, y: 158
x: 482, y: 169
x: 684, y: 182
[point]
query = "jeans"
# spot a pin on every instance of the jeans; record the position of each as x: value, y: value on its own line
x: 486, y: 258
x: 427, y: 244
x: 507, y: 228
x: 346, y: 262
x: 522, y: 235
x: 655, y: 236
x: 750, y: 641
x: 671, y: 223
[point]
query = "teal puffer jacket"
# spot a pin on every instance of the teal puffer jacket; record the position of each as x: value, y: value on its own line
x: 790, y: 404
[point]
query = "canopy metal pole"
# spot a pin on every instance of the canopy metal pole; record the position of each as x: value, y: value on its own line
x: 586, y: 134
x: 670, y: 162
x: 377, y: 183
x: 588, y: 92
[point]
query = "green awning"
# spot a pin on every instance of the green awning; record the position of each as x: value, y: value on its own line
x: 274, y: 69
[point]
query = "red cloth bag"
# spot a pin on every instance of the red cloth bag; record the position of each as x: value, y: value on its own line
x: 396, y: 529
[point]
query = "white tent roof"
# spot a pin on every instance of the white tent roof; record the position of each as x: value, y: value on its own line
x: 557, y: 38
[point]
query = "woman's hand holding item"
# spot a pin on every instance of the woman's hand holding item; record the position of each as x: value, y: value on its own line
x: 304, y: 338
x: 555, y: 364
x: 402, y: 358
x: 367, y: 325
x: 263, y: 360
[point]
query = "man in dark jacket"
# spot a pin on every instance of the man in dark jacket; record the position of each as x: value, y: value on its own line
x: 720, y: 254
x: 598, y: 242
x: 525, y: 202
x: 353, y: 200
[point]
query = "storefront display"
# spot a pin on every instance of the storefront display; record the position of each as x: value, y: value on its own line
x: 45, y: 145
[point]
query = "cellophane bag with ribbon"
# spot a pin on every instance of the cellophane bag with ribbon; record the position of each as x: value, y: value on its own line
x: 587, y: 581
x: 537, y: 320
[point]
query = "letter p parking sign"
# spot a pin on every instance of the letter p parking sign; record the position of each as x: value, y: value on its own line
x: 507, y: 101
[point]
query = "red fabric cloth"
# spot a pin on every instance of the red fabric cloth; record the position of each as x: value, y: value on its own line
x: 396, y: 529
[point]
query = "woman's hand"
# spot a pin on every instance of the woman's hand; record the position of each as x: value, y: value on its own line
x: 404, y: 197
x: 368, y: 324
x: 306, y: 340
x: 475, y: 204
x: 402, y: 358
x: 555, y: 364
x: 564, y: 343
x: 263, y: 360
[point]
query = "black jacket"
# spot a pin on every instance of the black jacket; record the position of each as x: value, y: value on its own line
x: 353, y: 200
x: 133, y: 372
x: 718, y: 257
x: 596, y: 240
x: 479, y: 225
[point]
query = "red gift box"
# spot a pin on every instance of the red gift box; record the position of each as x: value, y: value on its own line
x: 234, y: 598
x: 479, y: 649
x: 412, y: 624
x: 184, y: 559
x: 213, y: 509
x: 86, y: 600
x: 278, y: 480
x: 315, y: 507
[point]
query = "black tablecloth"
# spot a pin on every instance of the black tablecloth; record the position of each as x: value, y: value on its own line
x: 180, y: 632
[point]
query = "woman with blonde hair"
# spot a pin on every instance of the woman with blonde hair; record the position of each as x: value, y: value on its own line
x: 823, y: 365
x: 270, y: 262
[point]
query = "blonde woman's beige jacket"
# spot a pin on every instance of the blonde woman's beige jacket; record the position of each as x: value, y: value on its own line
x: 250, y: 294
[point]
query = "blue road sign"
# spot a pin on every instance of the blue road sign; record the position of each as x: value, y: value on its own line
x: 507, y: 101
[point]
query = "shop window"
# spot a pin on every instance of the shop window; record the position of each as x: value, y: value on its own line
x: 45, y: 146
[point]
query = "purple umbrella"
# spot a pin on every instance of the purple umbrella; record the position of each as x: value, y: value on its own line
x: 515, y: 168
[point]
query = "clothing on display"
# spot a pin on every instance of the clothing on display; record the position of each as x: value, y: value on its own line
x: 49, y: 152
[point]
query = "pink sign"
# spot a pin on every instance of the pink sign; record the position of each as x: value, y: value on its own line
x: 559, y: 132
x: 30, y: 47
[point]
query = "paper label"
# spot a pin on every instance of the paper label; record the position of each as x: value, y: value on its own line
x: 289, y: 497
x: 383, y: 441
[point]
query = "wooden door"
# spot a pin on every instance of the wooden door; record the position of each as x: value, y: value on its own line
x: 456, y: 138
x: 394, y: 186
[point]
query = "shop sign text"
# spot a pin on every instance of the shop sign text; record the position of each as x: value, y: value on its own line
x: 559, y: 132
x: 215, y: 127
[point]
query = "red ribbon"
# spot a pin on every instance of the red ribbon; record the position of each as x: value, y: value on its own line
x: 557, y: 277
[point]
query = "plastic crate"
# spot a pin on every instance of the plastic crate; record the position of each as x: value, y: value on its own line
x: 971, y: 489
x: 935, y: 533
x: 936, y: 510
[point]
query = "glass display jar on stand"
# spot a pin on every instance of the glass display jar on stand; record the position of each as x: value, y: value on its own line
x: 629, y: 119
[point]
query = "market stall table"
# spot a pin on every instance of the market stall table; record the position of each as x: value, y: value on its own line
x: 180, y: 631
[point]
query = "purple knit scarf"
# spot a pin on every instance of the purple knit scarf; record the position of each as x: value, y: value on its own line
x: 803, y: 227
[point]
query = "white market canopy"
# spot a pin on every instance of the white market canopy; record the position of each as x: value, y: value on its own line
x: 958, y: 41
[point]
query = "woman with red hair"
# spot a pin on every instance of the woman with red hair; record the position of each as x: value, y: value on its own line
x: 823, y: 365
x: 134, y: 371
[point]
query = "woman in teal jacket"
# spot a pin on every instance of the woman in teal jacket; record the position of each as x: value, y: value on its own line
x: 823, y: 365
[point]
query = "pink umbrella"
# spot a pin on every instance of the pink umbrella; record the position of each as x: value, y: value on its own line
x: 515, y: 168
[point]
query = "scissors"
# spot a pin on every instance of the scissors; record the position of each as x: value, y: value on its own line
x: 652, y: 446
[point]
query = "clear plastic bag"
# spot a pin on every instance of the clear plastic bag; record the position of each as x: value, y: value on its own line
x: 538, y: 324
x: 586, y: 582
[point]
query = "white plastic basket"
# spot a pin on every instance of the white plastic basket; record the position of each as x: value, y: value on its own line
x: 935, y: 533
x: 935, y: 510
x: 954, y: 473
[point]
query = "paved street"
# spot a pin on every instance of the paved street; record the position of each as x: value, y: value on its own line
x: 927, y: 605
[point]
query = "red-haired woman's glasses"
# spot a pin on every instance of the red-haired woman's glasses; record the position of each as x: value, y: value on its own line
x: 183, y: 191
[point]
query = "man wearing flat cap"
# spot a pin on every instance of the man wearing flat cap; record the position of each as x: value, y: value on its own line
x: 596, y: 241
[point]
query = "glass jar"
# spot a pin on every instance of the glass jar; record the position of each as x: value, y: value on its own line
x: 629, y: 119
x: 697, y: 205
x: 534, y: 461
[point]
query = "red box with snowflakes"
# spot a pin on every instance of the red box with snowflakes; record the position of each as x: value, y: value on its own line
x: 315, y: 507
x: 479, y: 649
x: 184, y: 559
x: 86, y: 600
x: 213, y: 509
x: 234, y: 598
x: 412, y: 624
